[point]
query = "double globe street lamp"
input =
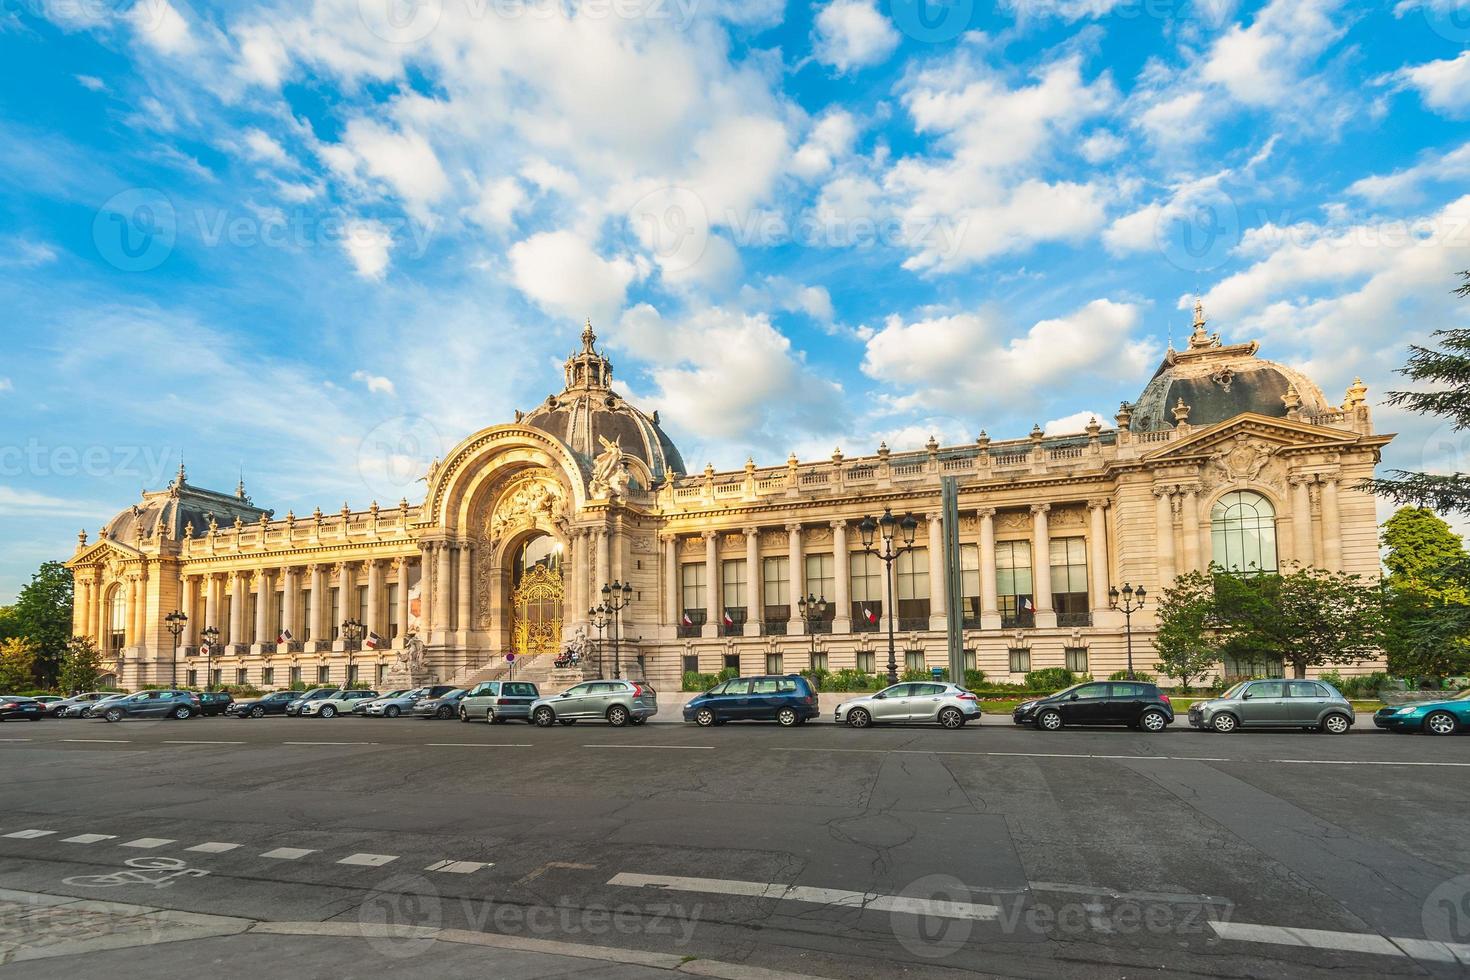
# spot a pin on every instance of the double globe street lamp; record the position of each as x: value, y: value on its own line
x: 813, y: 611
x: 888, y: 552
x: 1131, y: 601
x: 210, y: 636
x: 599, y: 619
x: 615, y: 598
x: 174, y: 623
x: 352, y: 633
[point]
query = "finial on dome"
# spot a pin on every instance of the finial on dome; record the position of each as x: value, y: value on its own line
x: 182, y: 475
x: 1200, y: 337
x: 589, y: 338
x: 240, y: 487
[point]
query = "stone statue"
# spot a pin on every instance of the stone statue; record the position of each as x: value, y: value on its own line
x: 609, y: 472
x: 579, y: 644
x: 411, y: 658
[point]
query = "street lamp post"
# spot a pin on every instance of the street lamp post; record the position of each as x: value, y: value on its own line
x: 615, y: 598
x: 352, y: 633
x: 888, y: 553
x: 813, y: 611
x: 210, y: 637
x: 598, y: 617
x: 1132, y: 601
x: 174, y: 623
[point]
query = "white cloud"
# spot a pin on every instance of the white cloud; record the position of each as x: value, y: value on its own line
x: 403, y: 160
x: 263, y: 58
x: 92, y: 83
x: 368, y: 244
x: 1076, y: 422
x: 562, y: 274
x: 852, y: 34
x: 1139, y: 230
x: 1102, y: 146
x: 1261, y: 65
x: 15, y: 502
x: 500, y: 201
x: 375, y: 383
x: 1443, y: 85
x: 1407, y: 183
x: 23, y: 253
x: 160, y: 25
x: 6, y: 385
x: 829, y: 141
x: 1067, y: 10
x: 259, y: 145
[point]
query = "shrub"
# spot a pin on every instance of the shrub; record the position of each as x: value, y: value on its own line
x: 914, y: 674
x: 1050, y: 678
x: 974, y: 679
x: 1138, y: 675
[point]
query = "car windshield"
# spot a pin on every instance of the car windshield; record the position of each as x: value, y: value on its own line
x: 1462, y: 696
x: 1234, y: 691
x: 455, y: 693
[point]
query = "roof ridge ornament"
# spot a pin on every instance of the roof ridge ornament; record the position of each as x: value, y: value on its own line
x: 1201, y: 338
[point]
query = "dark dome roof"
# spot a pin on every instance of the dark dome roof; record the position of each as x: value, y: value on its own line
x: 177, y: 507
x: 1218, y: 382
x: 589, y: 411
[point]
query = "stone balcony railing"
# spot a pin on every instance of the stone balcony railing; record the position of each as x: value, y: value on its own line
x: 346, y: 527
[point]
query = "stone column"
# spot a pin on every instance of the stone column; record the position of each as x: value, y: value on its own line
x: 713, y: 585
x: 290, y: 598
x: 466, y: 585
x: 604, y: 562
x: 1331, y: 525
x: 405, y: 572
x: 937, y: 597
x: 314, y: 606
x: 374, y: 620
x: 426, y: 590
x: 1314, y: 492
x: 797, y: 567
x: 1041, y: 565
x: 442, y: 587
x: 1301, y: 519
x: 672, y: 596
x: 211, y: 601
x: 1190, y: 523
x: 755, y: 587
x: 346, y: 595
x: 989, y: 603
x: 263, y: 594
x: 237, y: 610
x: 842, y: 573
x: 1164, y: 532
x: 130, y: 617
x: 576, y: 580
x: 190, y: 607
x: 82, y: 608
x: 1097, y: 553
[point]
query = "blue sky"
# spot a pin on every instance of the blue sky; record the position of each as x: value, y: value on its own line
x: 321, y: 241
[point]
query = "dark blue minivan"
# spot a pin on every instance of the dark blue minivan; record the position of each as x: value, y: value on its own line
x: 789, y: 700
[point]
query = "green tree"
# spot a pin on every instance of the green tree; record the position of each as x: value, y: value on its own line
x: 1189, y: 639
x: 81, y: 665
x: 42, y: 613
x: 1426, y: 596
x: 1307, y: 617
x: 1420, y: 546
x: 1446, y: 373
x: 17, y: 664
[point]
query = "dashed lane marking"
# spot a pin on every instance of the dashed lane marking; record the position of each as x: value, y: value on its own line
x: 88, y: 838
x: 458, y: 867
x: 147, y: 843
x: 815, y: 896
x: 369, y: 860
x: 329, y: 743
x: 606, y: 745
x: 1427, y: 950
x: 289, y: 853
x: 97, y: 741
x: 30, y: 834
x: 212, y: 847
x: 1364, y: 762
x: 482, y: 745
x: 189, y: 741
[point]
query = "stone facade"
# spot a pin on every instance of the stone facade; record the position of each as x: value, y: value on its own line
x: 717, y: 563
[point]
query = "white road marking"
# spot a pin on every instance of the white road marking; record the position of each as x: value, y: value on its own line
x: 31, y: 834
x: 289, y: 853
x: 147, y: 842
x: 14, y: 740
x: 815, y: 896
x: 212, y: 847
x: 98, y: 741
x: 88, y: 838
x: 369, y: 860
x: 483, y: 745
x: 1364, y: 762
x: 605, y: 745
x: 1345, y: 942
x: 186, y: 741
x: 457, y: 867
x: 329, y: 743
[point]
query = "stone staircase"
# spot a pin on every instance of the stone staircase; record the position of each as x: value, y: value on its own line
x: 538, y: 670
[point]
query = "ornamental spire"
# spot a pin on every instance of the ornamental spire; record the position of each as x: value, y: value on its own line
x: 589, y: 338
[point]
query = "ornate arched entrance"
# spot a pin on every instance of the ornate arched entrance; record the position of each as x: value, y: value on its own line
x: 538, y: 595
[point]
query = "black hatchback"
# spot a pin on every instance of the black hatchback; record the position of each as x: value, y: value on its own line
x: 1133, y: 703
x: 14, y: 707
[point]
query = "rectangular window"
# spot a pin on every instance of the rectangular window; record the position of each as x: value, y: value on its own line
x: 242, y: 675
x: 969, y: 661
x: 279, y: 617
x: 1240, y: 667
x: 361, y: 612
x: 732, y: 661
x: 865, y: 572
x: 819, y: 661
x: 773, y: 663
x: 691, y: 663
x: 733, y: 584
x: 336, y: 609
x: 914, y: 660
x: 776, y: 590
x: 226, y: 617
x: 1076, y: 659
x: 267, y: 676
x: 970, y: 584
x: 214, y: 678
x: 1069, y: 581
x: 1013, y: 584
x: 193, y: 678
x: 911, y: 589
x: 693, y: 585
x: 352, y: 675
x: 249, y: 624
x: 303, y: 624
x: 1020, y: 660
x: 865, y: 661
x: 821, y: 584
x: 393, y: 624
x: 323, y: 674
x: 382, y: 674
x: 295, y: 676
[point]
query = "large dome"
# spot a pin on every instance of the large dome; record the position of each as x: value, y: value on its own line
x: 589, y: 411
x: 1218, y: 382
x: 177, y: 508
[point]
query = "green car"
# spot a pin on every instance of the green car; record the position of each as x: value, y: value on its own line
x: 1431, y: 717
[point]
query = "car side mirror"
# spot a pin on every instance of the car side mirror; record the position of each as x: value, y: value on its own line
x: 1246, y: 696
x: 1074, y: 697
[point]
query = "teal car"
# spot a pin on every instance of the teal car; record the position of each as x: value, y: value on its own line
x: 1431, y: 717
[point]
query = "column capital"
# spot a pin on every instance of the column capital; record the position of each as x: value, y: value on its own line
x: 751, y: 532
x: 1163, y: 491
x: 934, y: 517
x: 1300, y: 479
x: 1189, y: 489
x: 1037, y: 509
x: 838, y: 524
x: 985, y: 513
x: 709, y: 534
x: 794, y: 528
x: 1098, y: 503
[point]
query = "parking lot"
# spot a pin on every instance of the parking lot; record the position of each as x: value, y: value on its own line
x: 819, y: 850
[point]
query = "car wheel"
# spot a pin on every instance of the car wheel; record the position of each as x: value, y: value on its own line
x: 787, y: 717
x: 704, y: 717
x: 1153, y: 721
x: 463, y: 714
x: 392, y: 711
x: 1336, y: 724
x: 952, y: 718
x: 113, y: 714
x: 1441, y: 723
x: 1049, y: 721
x: 182, y: 713
x: 257, y: 712
x: 445, y: 713
x: 86, y: 712
x: 617, y: 716
x: 496, y: 719
x: 1224, y: 723
x: 328, y: 711
x: 859, y: 718
x: 544, y: 717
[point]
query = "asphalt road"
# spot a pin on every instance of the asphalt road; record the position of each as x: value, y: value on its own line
x: 818, y: 850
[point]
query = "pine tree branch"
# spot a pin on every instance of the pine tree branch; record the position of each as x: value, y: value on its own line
x: 1444, y: 494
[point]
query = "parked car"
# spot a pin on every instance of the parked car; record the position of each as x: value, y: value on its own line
x: 151, y: 704
x: 917, y: 702
x: 48, y: 701
x: 1132, y: 703
x: 620, y: 702
x: 59, y: 709
x: 14, y: 707
x: 360, y: 707
x: 442, y: 707
x: 272, y: 704
x: 215, y: 702
x: 788, y: 700
x: 315, y: 694
x: 498, y: 701
x: 393, y: 707
x: 85, y: 709
x: 1430, y: 717
x: 340, y: 703
x: 1314, y: 705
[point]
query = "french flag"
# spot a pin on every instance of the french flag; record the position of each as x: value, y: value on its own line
x: 728, y: 620
x: 870, y: 616
x: 372, y: 641
x: 686, y: 621
x: 285, y: 637
x: 1026, y: 604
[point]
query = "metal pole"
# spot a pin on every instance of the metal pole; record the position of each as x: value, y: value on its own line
x: 1128, y: 629
x: 888, y: 560
x: 954, y: 588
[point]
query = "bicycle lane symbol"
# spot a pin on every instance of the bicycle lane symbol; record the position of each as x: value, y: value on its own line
x: 158, y: 872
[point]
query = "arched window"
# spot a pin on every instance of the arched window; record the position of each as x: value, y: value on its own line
x: 117, y: 613
x: 1243, y: 533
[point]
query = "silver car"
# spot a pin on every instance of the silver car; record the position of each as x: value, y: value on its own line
x: 620, y: 702
x: 85, y: 709
x: 498, y: 701
x: 340, y: 703
x: 912, y: 703
x: 403, y: 704
x: 1314, y: 705
x: 79, y: 701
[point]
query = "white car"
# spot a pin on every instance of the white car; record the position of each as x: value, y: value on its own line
x: 341, y: 703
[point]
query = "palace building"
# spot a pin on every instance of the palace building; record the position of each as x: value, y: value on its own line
x: 1225, y: 457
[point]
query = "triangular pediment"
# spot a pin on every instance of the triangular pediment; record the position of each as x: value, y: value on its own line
x: 103, y: 551
x: 1276, y: 432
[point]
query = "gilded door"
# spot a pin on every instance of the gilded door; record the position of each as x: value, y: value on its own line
x: 538, y: 611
